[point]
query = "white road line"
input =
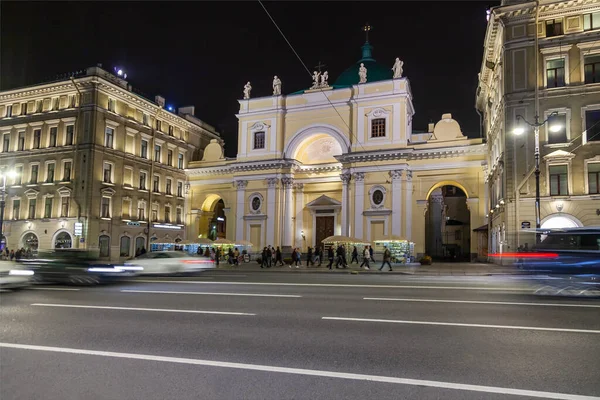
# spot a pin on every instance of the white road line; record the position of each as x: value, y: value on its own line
x: 55, y: 288
x: 486, y: 302
x: 529, y: 328
x: 140, y: 309
x: 307, y: 372
x: 211, y: 294
x: 332, y: 285
x: 229, y: 275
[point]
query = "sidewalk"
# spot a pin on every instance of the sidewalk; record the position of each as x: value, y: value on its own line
x: 465, y: 269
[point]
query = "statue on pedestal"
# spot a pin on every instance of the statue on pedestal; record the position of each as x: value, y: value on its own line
x: 397, y: 68
x: 247, y: 89
x: 315, y: 78
x: 276, y: 86
x: 324, y: 79
x: 362, y: 73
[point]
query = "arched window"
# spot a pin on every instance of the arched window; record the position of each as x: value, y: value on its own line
x: 104, y: 243
x: 63, y: 241
x: 125, y: 246
x: 30, y: 242
x: 140, y: 243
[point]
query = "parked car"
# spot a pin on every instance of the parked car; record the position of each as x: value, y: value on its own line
x: 14, y: 277
x: 73, y: 266
x: 169, y: 262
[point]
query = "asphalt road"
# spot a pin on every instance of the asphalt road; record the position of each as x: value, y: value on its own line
x: 230, y: 335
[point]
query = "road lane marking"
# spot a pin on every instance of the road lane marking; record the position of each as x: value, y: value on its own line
x: 528, y: 328
x: 332, y: 285
x: 486, y: 302
x: 211, y: 293
x: 55, y: 288
x: 229, y: 275
x: 306, y: 372
x: 140, y: 309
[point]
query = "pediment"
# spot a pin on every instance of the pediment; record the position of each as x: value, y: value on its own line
x: 559, y: 154
x: 108, y: 192
x: 324, y: 201
x: 31, y: 193
x: 64, y: 191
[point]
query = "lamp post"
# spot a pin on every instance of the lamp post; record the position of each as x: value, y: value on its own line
x: 4, y: 175
x: 519, y: 130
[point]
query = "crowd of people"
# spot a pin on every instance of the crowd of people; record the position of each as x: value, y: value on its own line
x: 13, y: 255
x: 271, y: 256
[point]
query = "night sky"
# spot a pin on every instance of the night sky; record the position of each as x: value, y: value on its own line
x: 202, y: 53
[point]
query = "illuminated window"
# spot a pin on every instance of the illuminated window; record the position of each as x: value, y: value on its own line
x: 591, y: 21
x: 594, y: 178
x: 558, y: 180
x: 555, y: 72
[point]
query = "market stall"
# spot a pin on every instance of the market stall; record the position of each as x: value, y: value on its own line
x: 348, y: 243
x: 402, y: 249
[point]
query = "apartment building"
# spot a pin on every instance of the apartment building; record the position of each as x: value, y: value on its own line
x: 567, y: 76
x: 97, y: 165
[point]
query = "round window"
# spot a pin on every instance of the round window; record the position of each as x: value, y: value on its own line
x: 377, y: 197
x: 256, y: 203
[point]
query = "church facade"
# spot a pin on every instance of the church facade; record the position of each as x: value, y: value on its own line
x: 335, y: 159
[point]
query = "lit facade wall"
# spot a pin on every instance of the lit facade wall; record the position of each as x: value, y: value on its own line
x: 569, y: 84
x: 82, y: 148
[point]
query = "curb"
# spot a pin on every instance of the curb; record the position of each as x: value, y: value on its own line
x: 281, y: 270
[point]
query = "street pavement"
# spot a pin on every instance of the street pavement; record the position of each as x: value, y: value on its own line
x: 232, y: 335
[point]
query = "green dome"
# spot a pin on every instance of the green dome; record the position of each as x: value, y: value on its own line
x: 375, y: 71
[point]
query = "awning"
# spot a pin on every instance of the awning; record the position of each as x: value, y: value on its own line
x: 482, y: 228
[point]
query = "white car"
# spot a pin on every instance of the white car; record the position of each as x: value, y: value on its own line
x: 168, y: 262
x: 14, y: 276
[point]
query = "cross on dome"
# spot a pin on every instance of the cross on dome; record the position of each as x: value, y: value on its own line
x: 366, y: 28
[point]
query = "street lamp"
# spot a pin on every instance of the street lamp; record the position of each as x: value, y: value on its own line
x: 4, y: 175
x: 519, y: 129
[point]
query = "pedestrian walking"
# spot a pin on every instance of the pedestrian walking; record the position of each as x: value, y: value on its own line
x: 371, y: 253
x: 309, y: 257
x: 354, y: 255
x: 263, y: 258
x: 341, y: 257
x: 269, y: 257
x: 330, y: 256
x: 387, y: 256
x: 317, y: 257
x: 366, y: 258
x: 236, y: 256
x: 278, y: 256
x: 298, y: 258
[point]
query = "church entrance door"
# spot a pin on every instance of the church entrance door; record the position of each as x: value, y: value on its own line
x: 323, y: 229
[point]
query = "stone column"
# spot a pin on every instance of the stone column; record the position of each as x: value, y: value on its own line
x: 475, y: 222
x: 419, y: 233
x: 298, y: 242
x: 345, y: 177
x: 240, y: 209
x: 271, y: 217
x: 409, y: 205
x: 228, y: 224
x: 288, y: 212
x: 359, y: 203
x: 396, y: 202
